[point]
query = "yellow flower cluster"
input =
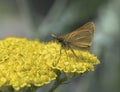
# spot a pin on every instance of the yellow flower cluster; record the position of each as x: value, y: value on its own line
x: 22, y: 63
x: 25, y: 63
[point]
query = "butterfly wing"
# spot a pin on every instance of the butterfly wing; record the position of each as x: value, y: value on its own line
x: 80, y: 38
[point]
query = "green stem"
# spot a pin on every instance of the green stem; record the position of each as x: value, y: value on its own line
x: 57, y: 83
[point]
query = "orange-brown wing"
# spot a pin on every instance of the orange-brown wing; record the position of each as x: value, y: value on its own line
x: 80, y: 38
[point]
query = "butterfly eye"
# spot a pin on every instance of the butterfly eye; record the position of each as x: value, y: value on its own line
x: 60, y: 41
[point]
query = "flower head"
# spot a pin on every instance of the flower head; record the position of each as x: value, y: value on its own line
x: 24, y: 62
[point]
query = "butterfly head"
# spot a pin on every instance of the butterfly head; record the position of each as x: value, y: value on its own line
x: 58, y: 39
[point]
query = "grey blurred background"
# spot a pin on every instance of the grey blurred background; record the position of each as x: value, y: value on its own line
x: 37, y: 19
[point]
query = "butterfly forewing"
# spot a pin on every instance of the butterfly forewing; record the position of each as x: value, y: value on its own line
x: 80, y: 38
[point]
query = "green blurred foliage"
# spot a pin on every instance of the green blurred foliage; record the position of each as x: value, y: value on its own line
x: 37, y: 19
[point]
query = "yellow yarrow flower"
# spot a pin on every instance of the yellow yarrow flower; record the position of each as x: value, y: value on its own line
x: 26, y: 63
x: 22, y: 63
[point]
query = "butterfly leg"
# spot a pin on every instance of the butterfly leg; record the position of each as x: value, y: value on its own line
x: 66, y: 54
x: 55, y: 63
x: 60, y: 53
x: 73, y: 52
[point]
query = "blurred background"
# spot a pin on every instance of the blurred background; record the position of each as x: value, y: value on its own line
x: 37, y: 19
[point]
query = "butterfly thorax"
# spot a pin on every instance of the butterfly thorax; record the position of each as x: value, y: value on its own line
x: 64, y: 44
